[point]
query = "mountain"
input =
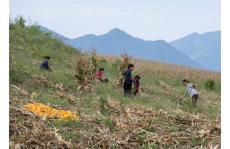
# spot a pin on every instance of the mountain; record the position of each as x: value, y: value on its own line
x: 55, y: 35
x: 205, y: 48
x: 117, y: 41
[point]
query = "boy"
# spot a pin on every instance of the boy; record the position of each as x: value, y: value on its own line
x: 136, y: 83
x: 128, y: 80
x: 45, y: 64
x: 100, y: 75
x: 191, y: 91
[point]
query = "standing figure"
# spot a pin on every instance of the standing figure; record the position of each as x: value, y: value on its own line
x: 128, y: 80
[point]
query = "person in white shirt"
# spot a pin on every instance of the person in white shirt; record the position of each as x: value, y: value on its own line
x: 190, y: 89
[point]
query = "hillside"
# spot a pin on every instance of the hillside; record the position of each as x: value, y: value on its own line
x: 107, y: 119
x: 205, y: 48
x: 117, y: 41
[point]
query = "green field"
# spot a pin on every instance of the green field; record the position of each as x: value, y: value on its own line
x: 107, y: 118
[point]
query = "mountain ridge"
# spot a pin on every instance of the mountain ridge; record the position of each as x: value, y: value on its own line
x: 203, y: 48
x: 116, y: 41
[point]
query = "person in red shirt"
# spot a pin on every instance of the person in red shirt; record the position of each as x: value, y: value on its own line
x: 136, y: 83
x: 100, y: 75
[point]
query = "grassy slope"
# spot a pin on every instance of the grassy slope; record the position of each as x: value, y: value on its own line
x: 161, y: 83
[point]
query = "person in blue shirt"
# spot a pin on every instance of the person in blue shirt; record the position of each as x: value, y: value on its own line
x: 128, y: 80
x: 45, y: 64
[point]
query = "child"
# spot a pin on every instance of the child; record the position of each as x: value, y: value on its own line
x: 136, y: 83
x: 45, y: 64
x: 100, y: 75
x: 191, y: 91
x: 128, y: 80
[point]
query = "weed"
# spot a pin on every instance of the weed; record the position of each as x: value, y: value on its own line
x: 210, y: 84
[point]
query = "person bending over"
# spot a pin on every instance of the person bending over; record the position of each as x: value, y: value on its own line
x: 190, y: 89
x: 45, y: 64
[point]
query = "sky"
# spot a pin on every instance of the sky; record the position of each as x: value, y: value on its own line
x: 147, y: 19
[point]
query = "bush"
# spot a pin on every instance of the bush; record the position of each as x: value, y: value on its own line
x: 18, y: 77
x: 210, y: 84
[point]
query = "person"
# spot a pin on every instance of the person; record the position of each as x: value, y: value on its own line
x: 128, y: 80
x: 136, y: 83
x: 190, y: 89
x: 45, y: 64
x: 100, y: 75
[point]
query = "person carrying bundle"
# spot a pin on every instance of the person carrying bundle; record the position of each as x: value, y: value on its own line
x: 190, y: 89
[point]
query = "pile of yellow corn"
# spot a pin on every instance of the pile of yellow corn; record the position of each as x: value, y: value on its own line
x: 42, y: 110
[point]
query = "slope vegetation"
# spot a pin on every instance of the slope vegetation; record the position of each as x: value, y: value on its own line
x: 107, y: 118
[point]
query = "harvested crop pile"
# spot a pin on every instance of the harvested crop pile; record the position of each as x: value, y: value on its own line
x: 42, y: 110
x: 28, y: 131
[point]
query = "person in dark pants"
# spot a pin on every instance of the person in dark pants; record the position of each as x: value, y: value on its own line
x: 190, y: 89
x: 128, y: 80
x: 45, y: 64
x: 136, y: 84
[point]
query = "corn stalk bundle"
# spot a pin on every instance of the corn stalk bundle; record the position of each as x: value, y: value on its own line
x: 125, y: 61
x: 85, y: 68
x: 94, y: 60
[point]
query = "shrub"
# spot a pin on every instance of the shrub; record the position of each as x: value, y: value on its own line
x: 210, y: 84
x: 18, y: 76
x: 21, y: 21
x: 18, y: 21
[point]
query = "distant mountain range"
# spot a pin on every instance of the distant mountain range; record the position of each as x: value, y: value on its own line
x: 117, y: 41
x: 204, y: 49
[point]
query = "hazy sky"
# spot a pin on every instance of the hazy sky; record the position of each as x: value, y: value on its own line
x: 147, y: 19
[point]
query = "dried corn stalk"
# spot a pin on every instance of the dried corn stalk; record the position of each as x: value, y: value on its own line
x: 125, y: 61
x: 85, y: 68
x: 94, y: 60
